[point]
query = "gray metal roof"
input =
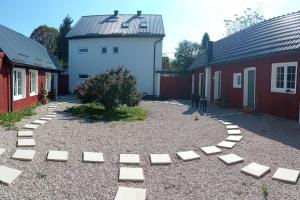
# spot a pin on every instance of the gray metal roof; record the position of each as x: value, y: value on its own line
x: 199, y: 61
x: 277, y: 35
x: 22, y: 50
x: 111, y: 26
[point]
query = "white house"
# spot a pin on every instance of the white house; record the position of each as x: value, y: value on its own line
x: 101, y: 42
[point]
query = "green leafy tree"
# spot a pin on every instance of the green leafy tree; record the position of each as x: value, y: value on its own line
x: 205, y: 40
x: 112, y: 88
x: 62, y: 41
x: 249, y: 18
x: 185, y: 54
x: 46, y: 36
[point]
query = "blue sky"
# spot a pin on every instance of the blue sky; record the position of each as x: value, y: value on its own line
x: 183, y: 19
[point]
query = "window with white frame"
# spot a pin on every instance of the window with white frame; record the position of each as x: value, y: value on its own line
x: 83, y: 50
x: 284, y: 77
x: 48, y: 81
x: 19, y: 83
x: 33, y: 82
x: 237, y: 80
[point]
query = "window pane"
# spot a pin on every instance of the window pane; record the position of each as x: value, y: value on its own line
x: 280, y: 77
x: 291, y: 76
x: 116, y: 49
x: 19, y: 74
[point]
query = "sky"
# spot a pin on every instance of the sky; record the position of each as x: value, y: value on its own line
x: 183, y: 19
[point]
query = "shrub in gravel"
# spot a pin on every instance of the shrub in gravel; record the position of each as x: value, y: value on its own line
x: 113, y: 88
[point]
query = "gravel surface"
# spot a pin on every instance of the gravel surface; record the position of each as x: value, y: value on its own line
x: 169, y: 128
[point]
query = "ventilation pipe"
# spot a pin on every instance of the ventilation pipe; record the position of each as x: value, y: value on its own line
x: 139, y: 13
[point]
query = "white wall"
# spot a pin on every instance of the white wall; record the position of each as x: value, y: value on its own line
x: 136, y: 54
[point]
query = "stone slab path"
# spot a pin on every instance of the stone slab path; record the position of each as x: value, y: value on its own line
x: 231, y: 159
x: 128, y: 193
x: 256, y: 170
x: 234, y: 132
x: 133, y: 159
x: 232, y: 127
x: 30, y: 126
x: 61, y: 156
x: 25, y: 134
x: 188, y: 155
x: 131, y: 174
x: 94, y: 157
x: 8, y: 175
x: 25, y: 143
x: 286, y: 175
x: 234, y: 138
x: 160, y: 159
x: 211, y: 150
x: 226, y: 144
x: 22, y: 154
x: 40, y: 122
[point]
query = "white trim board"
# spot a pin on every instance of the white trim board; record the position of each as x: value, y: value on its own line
x: 245, y: 96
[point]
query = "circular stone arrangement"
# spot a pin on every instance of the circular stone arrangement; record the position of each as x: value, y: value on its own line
x: 135, y: 174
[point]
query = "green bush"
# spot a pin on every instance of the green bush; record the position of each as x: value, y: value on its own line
x: 113, y: 88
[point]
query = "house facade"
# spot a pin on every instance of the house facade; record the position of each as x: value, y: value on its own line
x: 256, y: 68
x: 25, y: 67
x: 98, y: 43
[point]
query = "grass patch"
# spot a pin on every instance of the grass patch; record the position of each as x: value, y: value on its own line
x: 9, y: 120
x: 96, y: 112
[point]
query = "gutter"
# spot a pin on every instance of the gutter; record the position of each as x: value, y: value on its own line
x: 154, y: 61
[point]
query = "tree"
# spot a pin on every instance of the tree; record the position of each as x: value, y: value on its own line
x: 186, y: 53
x: 112, y: 88
x: 205, y: 40
x: 46, y: 36
x: 62, y: 41
x: 249, y: 18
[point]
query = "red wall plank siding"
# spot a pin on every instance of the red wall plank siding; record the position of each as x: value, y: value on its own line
x: 176, y: 87
x: 4, y: 84
x: 30, y: 100
x: 286, y: 105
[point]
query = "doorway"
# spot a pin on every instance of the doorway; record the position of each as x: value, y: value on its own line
x: 201, y: 85
x: 217, y: 85
x: 249, y: 87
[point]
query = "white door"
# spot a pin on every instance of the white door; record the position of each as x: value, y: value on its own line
x: 201, y: 85
x: 249, y: 87
x: 193, y: 83
x: 217, y: 85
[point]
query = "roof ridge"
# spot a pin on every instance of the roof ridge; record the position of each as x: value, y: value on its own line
x: 264, y: 21
x: 118, y: 14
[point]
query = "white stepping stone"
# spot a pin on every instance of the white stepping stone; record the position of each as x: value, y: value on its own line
x: 231, y: 159
x: 286, y: 175
x: 226, y: 144
x: 188, y: 155
x: 225, y: 123
x: 40, y: 122
x: 256, y: 170
x: 129, y: 159
x: 22, y: 154
x: 25, y: 134
x: 51, y: 113
x: 210, y: 150
x: 232, y: 127
x: 128, y: 193
x: 8, y: 175
x: 131, y: 174
x: 57, y: 156
x: 52, y: 106
x: 50, y: 116
x: 2, y: 150
x: 95, y: 157
x: 160, y: 159
x: 26, y: 143
x: 46, y: 118
x: 31, y: 126
x: 234, y: 132
x: 234, y: 138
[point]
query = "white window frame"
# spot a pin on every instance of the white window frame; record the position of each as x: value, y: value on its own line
x: 193, y: 83
x: 22, y: 95
x: 235, y: 80
x: 36, y: 74
x: 48, y: 78
x: 273, y: 78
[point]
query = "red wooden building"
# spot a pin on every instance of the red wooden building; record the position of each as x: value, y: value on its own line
x: 25, y: 67
x: 256, y: 68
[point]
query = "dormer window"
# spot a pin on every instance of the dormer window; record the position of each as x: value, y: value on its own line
x: 125, y: 24
x: 143, y: 24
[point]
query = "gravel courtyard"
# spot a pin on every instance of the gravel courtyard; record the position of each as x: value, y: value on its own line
x: 169, y: 128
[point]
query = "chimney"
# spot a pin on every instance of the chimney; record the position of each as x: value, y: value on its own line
x: 116, y: 12
x: 139, y: 13
x: 209, y: 49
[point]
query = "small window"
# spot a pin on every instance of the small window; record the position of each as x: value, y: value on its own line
x: 284, y: 77
x: 19, y: 87
x: 116, y: 50
x: 48, y: 81
x: 83, y: 50
x: 104, y: 50
x: 143, y: 24
x: 237, y: 80
x: 33, y: 81
x: 125, y: 24
x: 83, y: 76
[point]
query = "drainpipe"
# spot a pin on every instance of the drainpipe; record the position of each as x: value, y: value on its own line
x: 154, y: 61
x: 11, y: 107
